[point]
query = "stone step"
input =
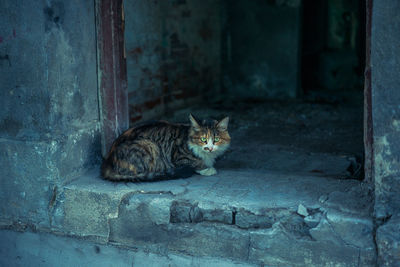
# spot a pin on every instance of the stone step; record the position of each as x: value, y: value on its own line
x: 30, y: 249
x: 258, y: 217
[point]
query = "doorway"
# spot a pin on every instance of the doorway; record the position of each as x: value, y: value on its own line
x: 289, y: 75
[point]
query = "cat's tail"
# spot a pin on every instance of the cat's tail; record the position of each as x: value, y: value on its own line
x: 108, y: 173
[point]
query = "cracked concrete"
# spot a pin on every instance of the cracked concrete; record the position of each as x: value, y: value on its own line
x: 257, y: 211
x: 238, y: 215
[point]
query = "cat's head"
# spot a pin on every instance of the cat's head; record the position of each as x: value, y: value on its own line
x: 209, y: 136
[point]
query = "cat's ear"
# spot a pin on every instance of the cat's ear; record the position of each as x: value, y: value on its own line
x: 194, y: 122
x: 222, y: 125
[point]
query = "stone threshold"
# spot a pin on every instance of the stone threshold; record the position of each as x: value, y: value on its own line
x: 259, y: 217
x: 44, y: 249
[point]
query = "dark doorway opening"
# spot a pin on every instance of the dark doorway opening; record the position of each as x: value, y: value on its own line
x: 289, y: 74
x: 333, y: 45
x: 333, y: 65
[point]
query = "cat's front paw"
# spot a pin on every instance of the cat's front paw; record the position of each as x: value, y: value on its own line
x: 207, y: 172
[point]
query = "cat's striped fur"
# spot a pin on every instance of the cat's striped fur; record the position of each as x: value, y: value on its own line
x: 156, y: 150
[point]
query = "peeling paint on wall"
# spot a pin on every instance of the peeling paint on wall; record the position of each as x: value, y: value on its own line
x: 173, y: 54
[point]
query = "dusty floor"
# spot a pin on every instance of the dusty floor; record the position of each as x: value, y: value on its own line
x: 321, y: 134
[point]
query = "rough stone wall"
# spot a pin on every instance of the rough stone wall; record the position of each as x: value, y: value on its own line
x: 262, y: 42
x: 49, y: 117
x: 385, y: 87
x: 173, y: 54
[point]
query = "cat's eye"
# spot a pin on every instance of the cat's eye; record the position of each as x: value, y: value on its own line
x: 216, y: 139
x: 203, y: 139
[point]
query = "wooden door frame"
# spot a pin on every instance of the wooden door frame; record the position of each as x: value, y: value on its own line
x: 111, y: 71
x: 368, y: 123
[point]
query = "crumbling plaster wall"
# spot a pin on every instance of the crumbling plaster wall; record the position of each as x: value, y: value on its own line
x: 49, y: 122
x: 385, y: 89
x: 173, y: 54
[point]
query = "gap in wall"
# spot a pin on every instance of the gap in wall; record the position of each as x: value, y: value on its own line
x: 289, y: 75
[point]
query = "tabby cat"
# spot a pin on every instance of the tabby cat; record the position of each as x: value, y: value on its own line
x: 157, y: 150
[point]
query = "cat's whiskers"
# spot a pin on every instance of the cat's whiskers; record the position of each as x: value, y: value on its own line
x: 206, y: 156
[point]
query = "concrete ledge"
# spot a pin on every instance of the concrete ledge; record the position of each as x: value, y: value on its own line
x: 258, y: 217
x: 42, y: 249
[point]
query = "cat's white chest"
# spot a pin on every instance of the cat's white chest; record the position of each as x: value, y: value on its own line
x: 207, y: 157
